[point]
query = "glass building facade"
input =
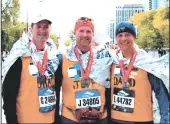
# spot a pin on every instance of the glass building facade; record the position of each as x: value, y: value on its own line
x: 155, y: 4
x: 123, y: 13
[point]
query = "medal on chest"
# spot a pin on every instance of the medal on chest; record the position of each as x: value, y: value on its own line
x: 126, y: 85
x: 42, y: 68
x: 41, y: 79
x: 126, y: 71
x: 85, y: 82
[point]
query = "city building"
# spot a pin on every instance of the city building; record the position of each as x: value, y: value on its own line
x: 123, y: 13
x: 150, y: 4
x: 155, y: 4
x: 110, y: 30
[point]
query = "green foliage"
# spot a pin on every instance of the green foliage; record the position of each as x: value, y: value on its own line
x: 164, y: 31
x: 12, y: 29
x: 145, y: 37
x: 71, y: 35
x: 165, y: 13
x: 4, y: 37
x: 67, y: 42
x: 54, y: 37
x: 153, y: 31
x: 10, y: 13
x: 17, y: 30
x: 11, y: 35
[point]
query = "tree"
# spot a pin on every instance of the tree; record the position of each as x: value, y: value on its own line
x: 12, y: 29
x: 70, y: 39
x: 161, y: 22
x: 67, y: 42
x: 54, y: 37
x: 17, y: 30
x: 138, y: 17
x: 145, y: 37
x: 10, y: 13
x: 164, y: 31
x: 5, y: 46
x: 152, y: 28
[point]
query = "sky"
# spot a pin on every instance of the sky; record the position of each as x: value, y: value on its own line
x: 64, y: 13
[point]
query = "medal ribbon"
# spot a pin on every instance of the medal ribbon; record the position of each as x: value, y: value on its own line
x: 41, y: 68
x: 125, y: 73
x: 86, y: 72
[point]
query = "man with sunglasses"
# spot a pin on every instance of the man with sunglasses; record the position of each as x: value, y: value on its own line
x: 86, y: 72
x: 135, y: 75
x: 30, y: 89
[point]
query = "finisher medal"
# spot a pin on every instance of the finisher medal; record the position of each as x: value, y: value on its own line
x: 126, y: 85
x: 41, y: 79
x: 125, y: 72
x: 85, y: 83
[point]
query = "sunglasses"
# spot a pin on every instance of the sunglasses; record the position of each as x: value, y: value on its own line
x: 86, y: 19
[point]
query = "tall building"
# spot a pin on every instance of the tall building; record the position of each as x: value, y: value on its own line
x: 150, y: 4
x: 123, y: 13
x: 155, y: 4
x: 164, y: 3
x: 110, y: 30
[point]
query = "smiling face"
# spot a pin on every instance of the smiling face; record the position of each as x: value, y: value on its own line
x: 84, y: 36
x: 125, y: 41
x: 41, y: 31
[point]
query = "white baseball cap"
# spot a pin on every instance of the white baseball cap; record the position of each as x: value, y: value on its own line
x: 40, y: 17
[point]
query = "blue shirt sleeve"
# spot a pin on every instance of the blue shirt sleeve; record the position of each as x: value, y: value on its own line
x: 162, y: 96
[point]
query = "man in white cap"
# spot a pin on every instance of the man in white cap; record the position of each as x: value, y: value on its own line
x: 29, y: 77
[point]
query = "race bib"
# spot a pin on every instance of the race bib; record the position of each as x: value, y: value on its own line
x: 88, y: 98
x: 47, y: 99
x: 123, y: 100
